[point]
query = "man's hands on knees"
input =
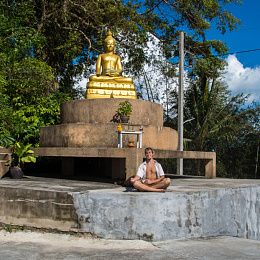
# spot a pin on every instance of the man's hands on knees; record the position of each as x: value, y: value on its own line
x: 134, y: 179
x: 147, y: 181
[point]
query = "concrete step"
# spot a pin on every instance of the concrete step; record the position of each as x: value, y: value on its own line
x: 5, y: 156
x: 5, y: 160
x: 37, y: 208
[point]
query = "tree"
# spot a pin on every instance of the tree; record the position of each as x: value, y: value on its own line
x: 28, y: 89
x: 6, y: 120
x: 220, y: 122
x: 239, y: 156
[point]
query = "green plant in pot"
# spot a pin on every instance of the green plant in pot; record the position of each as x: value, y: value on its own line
x: 21, y: 154
x: 124, y: 111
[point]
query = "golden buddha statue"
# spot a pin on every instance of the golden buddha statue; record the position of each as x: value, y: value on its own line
x: 108, y: 81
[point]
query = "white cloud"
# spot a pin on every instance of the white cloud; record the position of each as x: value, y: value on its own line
x: 241, y: 79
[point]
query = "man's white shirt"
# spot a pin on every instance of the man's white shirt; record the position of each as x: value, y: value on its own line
x: 141, y: 172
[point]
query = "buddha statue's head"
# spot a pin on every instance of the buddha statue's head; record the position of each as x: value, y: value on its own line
x: 109, y: 42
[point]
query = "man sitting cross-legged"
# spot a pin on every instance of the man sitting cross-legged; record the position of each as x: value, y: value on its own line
x: 150, y: 175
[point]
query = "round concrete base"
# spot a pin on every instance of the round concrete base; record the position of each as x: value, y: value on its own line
x: 87, y: 123
x: 102, y: 111
x: 104, y: 135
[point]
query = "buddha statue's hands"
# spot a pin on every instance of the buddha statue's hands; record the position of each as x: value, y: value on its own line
x: 112, y: 73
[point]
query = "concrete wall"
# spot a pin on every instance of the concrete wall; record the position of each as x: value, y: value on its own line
x: 104, y: 135
x: 102, y: 110
x: 154, y: 216
x: 87, y: 123
x: 37, y: 208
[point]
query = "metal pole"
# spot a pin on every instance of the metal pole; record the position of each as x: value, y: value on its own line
x: 167, y: 99
x: 256, y: 163
x: 147, y: 90
x: 180, y: 103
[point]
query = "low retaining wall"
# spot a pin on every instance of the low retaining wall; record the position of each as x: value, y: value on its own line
x: 38, y: 208
x: 153, y: 216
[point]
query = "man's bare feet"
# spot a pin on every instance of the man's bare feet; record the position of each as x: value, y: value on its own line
x: 161, y: 190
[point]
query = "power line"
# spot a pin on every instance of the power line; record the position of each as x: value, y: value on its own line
x: 224, y: 54
x: 221, y: 55
x: 239, y: 52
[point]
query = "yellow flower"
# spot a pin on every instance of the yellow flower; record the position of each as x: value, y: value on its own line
x: 119, y: 128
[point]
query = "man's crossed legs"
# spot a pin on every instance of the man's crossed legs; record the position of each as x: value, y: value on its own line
x: 155, y: 187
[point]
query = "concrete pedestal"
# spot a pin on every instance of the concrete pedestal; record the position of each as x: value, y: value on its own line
x: 87, y: 123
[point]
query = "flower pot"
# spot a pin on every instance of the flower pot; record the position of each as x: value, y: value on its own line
x: 16, y: 172
x: 124, y: 119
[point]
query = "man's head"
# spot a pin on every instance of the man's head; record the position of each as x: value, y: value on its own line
x: 149, y: 153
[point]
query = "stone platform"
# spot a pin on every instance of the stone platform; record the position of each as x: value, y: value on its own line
x: 190, y: 208
x: 87, y: 123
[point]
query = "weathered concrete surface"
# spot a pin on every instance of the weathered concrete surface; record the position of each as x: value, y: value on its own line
x: 197, y: 209
x: 87, y: 123
x: 5, y: 161
x: 101, y: 111
x: 4, y: 168
x: 34, y: 245
x: 104, y: 135
x: 38, y: 208
x: 42, y: 203
x: 191, y: 208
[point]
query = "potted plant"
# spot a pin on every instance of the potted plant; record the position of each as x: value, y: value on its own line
x: 124, y: 111
x: 21, y: 154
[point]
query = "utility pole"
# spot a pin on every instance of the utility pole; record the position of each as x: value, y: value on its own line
x: 167, y: 99
x: 256, y: 163
x: 180, y: 103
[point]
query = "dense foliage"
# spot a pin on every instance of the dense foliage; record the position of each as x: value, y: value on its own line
x: 28, y: 86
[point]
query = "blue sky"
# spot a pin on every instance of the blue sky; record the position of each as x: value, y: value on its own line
x: 243, y: 70
x: 247, y: 35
